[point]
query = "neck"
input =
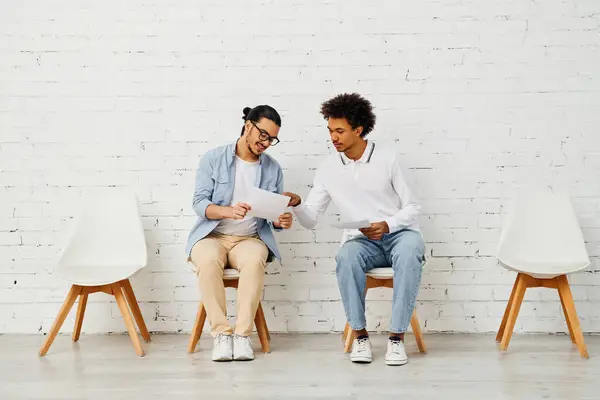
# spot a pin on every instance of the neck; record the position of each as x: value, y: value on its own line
x: 243, y: 152
x: 355, y: 152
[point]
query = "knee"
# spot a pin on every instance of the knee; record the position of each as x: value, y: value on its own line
x: 408, y: 258
x: 208, y: 257
x: 209, y: 266
x: 348, y: 259
x: 253, y: 265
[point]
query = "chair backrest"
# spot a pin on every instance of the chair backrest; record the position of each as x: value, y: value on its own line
x: 108, y: 231
x: 542, y: 230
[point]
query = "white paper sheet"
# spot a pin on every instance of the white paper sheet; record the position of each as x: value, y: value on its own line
x: 266, y: 204
x: 351, y: 224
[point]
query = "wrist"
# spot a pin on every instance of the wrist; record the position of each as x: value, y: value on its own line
x: 225, y: 211
x: 390, y: 225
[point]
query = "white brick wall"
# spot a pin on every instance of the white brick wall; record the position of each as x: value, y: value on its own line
x: 478, y: 96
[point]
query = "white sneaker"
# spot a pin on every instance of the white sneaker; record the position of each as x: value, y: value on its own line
x: 361, y: 351
x: 222, y: 348
x: 242, y: 348
x: 396, y: 354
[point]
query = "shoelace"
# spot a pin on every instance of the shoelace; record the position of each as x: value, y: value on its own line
x: 396, y: 346
x: 361, y: 345
x: 221, y: 340
x: 238, y: 338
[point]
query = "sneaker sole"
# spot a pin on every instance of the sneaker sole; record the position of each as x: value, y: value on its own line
x: 396, y: 362
x: 222, y: 359
x: 243, y: 359
x: 361, y: 360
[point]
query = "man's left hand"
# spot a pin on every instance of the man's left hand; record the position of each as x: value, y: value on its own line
x: 285, y: 221
x: 376, y: 230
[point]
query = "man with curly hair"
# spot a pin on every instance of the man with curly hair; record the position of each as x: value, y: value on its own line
x: 365, y: 182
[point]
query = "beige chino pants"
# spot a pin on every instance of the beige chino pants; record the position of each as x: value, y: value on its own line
x: 247, y: 254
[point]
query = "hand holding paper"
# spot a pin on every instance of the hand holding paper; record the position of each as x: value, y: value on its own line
x: 376, y: 230
x: 237, y: 211
x: 266, y: 204
x: 284, y: 221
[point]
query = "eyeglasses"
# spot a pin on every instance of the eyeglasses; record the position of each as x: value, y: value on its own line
x: 265, y: 137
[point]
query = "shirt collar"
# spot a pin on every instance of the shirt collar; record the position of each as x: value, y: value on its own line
x: 365, y: 158
x: 231, y: 153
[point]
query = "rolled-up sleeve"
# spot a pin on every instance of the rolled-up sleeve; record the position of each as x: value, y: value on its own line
x: 204, y: 186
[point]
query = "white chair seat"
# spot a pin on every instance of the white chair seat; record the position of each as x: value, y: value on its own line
x: 231, y: 273
x: 381, y: 273
x: 550, y: 268
x: 385, y: 272
x: 228, y: 273
x: 96, y: 275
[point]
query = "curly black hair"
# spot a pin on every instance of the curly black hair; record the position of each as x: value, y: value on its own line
x: 357, y: 110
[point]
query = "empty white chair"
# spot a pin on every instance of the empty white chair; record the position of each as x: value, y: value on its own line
x: 542, y: 241
x: 106, y: 248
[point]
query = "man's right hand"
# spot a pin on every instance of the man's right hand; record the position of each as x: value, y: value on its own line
x: 295, y: 199
x: 237, y: 211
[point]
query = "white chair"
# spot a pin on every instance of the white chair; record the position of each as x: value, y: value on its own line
x: 106, y: 248
x: 231, y: 277
x: 542, y: 242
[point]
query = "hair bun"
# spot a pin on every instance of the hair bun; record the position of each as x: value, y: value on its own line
x: 246, y: 112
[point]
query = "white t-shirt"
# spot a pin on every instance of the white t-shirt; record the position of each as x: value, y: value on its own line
x: 245, y: 176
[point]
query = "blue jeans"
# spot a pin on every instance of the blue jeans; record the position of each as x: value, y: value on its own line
x: 404, y: 252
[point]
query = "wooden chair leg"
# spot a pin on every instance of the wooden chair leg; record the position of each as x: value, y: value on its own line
x: 345, y: 333
x: 262, y: 315
x: 80, y: 313
x: 197, y: 330
x: 565, y: 293
x: 261, y: 329
x: 564, y: 308
x: 116, y: 288
x: 60, y: 318
x: 416, y: 327
x: 514, y: 311
x: 267, y: 327
x: 348, y: 341
x: 135, y: 309
x: 507, y: 311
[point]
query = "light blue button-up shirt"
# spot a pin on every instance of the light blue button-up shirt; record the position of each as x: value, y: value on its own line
x: 215, y: 179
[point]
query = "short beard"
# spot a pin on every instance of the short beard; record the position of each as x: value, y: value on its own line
x: 250, y: 146
x: 342, y: 150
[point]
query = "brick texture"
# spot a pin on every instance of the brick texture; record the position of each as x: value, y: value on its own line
x: 479, y: 98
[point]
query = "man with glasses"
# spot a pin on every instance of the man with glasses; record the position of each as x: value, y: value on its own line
x: 224, y: 236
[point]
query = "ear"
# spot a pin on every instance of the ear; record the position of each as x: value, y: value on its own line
x: 247, y: 126
x: 358, y: 131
